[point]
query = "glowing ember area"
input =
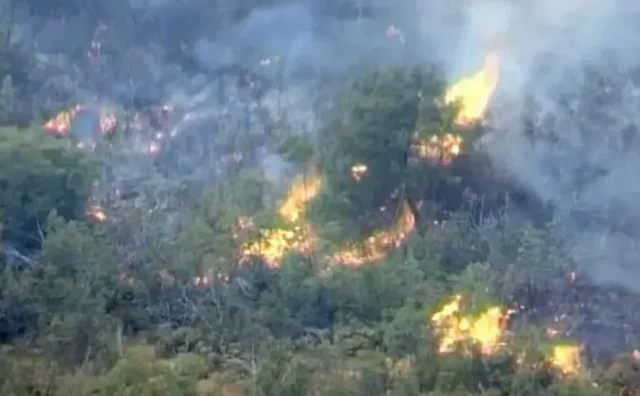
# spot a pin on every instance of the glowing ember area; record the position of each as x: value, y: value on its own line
x: 95, y: 213
x: 209, y: 277
x: 357, y: 171
x: 201, y: 281
x: 485, y: 330
x: 377, y: 245
x: 475, y: 92
x: 441, y: 150
x: 566, y: 359
x: 273, y: 244
x: 304, y: 190
x: 108, y: 121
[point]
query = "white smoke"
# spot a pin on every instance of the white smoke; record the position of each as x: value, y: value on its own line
x: 565, y: 114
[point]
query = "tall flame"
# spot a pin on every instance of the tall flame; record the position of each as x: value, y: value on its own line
x: 304, y: 190
x: 376, y: 246
x: 485, y: 330
x: 274, y: 243
x: 475, y: 92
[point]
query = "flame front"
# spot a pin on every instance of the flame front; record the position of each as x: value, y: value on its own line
x: 566, y: 359
x: 485, y: 330
x: 376, y: 246
x: 274, y: 243
x: 475, y: 92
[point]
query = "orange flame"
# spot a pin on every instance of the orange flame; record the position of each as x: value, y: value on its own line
x: 273, y: 244
x: 475, y: 92
x: 485, y: 330
x: 566, y: 359
x: 60, y: 124
x: 376, y: 246
x: 304, y: 190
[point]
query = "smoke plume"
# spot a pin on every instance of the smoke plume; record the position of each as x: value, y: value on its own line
x: 565, y: 119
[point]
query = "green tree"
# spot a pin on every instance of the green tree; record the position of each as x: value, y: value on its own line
x: 72, y: 284
x: 376, y: 116
x: 39, y: 174
x: 206, y: 240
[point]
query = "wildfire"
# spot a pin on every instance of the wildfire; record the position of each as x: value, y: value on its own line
x: 303, y: 191
x: 358, y: 170
x: 274, y: 243
x: 439, y: 149
x: 475, y: 92
x: 60, y: 125
x: 96, y: 213
x: 485, y: 329
x: 209, y: 277
x: 376, y: 246
x: 108, y: 121
x: 566, y: 359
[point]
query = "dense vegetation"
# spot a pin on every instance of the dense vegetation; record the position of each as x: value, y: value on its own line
x: 112, y: 308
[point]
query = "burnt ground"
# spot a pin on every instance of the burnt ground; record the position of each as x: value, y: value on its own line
x: 605, y: 319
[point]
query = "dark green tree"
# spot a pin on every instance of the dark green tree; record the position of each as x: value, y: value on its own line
x: 39, y: 174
